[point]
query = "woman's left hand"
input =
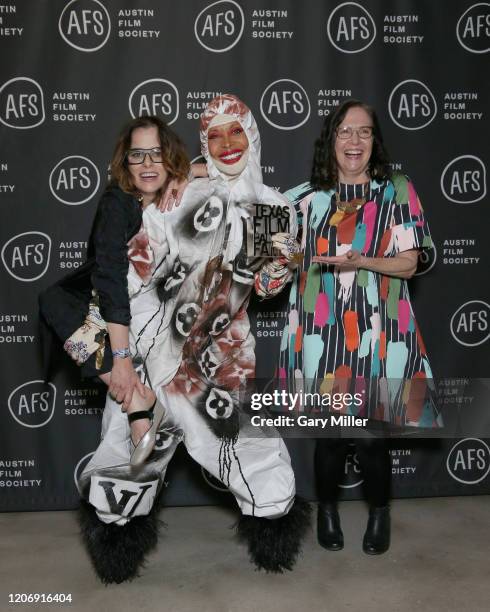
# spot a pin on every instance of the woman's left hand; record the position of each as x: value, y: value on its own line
x: 351, y: 259
x: 287, y: 245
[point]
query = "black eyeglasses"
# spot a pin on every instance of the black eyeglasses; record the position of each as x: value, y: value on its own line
x: 346, y: 132
x: 138, y: 156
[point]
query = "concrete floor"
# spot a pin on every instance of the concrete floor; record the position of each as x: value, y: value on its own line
x: 439, y: 560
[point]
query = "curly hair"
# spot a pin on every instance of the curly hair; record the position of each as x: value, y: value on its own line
x: 324, y: 174
x: 175, y: 158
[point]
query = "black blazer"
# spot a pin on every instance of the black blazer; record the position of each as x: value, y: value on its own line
x: 65, y: 305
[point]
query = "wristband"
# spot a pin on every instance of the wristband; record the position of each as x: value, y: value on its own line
x: 121, y: 353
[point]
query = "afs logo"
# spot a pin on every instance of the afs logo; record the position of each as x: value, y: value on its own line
x: 470, y: 323
x: 412, y: 105
x: 80, y: 466
x: 464, y: 180
x: 155, y: 97
x: 74, y: 180
x: 285, y: 104
x: 352, y: 471
x: 219, y: 26
x: 350, y: 28
x: 32, y: 404
x: 199, y: 159
x: 26, y: 256
x: 426, y: 260
x: 85, y: 25
x: 468, y: 461
x: 473, y: 28
x: 213, y: 482
x: 21, y: 103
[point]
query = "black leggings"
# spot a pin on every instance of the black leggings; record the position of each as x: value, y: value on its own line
x: 374, y: 461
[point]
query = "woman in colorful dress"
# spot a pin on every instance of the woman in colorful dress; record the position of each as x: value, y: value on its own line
x: 351, y: 326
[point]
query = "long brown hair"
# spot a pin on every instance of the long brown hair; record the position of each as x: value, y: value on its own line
x: 174, y: 154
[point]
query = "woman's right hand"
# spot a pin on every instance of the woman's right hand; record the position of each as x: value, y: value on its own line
x: 175, y: 189
x: 173, y: 194
x: 124, y: 381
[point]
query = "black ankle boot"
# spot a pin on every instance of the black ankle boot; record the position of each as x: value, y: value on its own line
x: 377, y: 537
x: 329, y: 533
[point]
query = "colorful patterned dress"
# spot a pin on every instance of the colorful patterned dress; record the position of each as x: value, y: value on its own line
x: 355, y: 330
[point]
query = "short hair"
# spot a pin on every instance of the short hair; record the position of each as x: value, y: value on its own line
x: 324, y: 173
x: 175, y: 157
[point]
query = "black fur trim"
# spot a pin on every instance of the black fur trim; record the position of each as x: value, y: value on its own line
x: 274, y: 544
x: 118, y: 552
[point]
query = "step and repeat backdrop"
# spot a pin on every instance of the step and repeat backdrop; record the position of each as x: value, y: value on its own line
x: 73, y: 72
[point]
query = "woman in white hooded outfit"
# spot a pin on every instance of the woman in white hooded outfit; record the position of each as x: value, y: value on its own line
x: 189, y: 284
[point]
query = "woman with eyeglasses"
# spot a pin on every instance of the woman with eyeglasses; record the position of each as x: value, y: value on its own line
x: 186, y: 279
x: 351, y: 327
x: 91, y: 309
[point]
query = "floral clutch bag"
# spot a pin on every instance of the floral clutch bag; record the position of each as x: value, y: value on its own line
x: 89, y: 338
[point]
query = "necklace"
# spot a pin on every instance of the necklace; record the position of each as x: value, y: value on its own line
x: 351, y: 206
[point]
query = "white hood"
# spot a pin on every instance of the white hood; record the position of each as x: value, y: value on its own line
x: 230, y: 105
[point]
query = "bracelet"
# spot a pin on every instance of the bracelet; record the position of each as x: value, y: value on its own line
x: 121, y: 353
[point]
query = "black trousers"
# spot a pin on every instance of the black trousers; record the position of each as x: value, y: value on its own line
x: 374, y: 461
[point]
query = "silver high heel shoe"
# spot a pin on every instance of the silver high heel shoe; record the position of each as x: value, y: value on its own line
x: 145, y: 446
